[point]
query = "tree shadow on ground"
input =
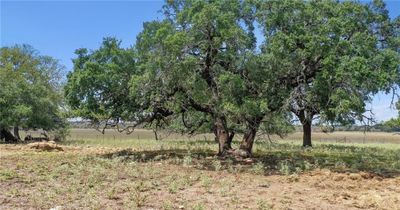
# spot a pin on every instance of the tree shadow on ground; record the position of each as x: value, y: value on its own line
x: 281, y: 160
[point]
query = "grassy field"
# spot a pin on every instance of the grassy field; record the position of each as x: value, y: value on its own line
x: 335, y: 137
x: 118, y: 171
x: 89, y: 136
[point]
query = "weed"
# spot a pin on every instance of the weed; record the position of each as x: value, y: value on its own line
x: 139, y: 197
x: 284, y: 167
x: 187, y: 160
x: 173, y: 187
x: 167, y: 205
x: 6, y: 174
x: 263, y: 205
x: 207, y: 183
x: 13, y: 192
x: 198, y: 206
x: 339, y: 165
x: 217, y: 165
x: 112, y: 194
x: 258, y: 168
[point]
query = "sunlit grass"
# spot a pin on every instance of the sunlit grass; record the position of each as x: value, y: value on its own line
x: 128, y: 172
x: 283, y: 155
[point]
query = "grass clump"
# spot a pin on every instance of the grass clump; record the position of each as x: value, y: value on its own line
x: 7, y: 174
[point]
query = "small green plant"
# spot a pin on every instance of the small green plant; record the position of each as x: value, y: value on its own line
x: 139, y: 197
x: 262, y: 205
x: 187, y: 160
x: 173, y: 187
x: 217, y: 165
x: 198, y: 206
x: 6, y: 174
x: 13, y: 192
x: 258, y: 168
x: 112, y: 194
x: 284, y: 167
x: 167, y: 205
x: 207, y: 183
x: 340, y: 165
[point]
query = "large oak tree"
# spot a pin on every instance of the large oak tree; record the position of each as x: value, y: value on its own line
x: 349, y: 47
x: 205, y: 53
x: 30, y: 93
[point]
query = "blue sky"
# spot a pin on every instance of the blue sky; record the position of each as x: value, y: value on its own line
x: 57, y: 28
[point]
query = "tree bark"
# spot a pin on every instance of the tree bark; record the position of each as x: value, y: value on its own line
x: 245, y: 149
x: 230, y: 139
x: 8, y: 137
x: 223, y: 136
x: 307, y: 133
x: 306, y: 121
x: 215, y: 134
x: 155, y: 134
x: 1, y: 134
x: 16, y: 132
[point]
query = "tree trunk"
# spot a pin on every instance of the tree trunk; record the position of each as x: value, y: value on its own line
x: 307, y: 134
x: 16, y: 132
x: 155, y: 134
x: 215, y: 134
x: 246, y: 146
x: 306, y: 120
x: 8, y: 137
x: 230, y: 139
x: 1, y: 134
x: 247, y: 143
x: 224, y: 140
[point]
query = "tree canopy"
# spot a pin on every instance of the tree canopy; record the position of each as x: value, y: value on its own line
x: 98, y: 87
x: 30, y: 93
x: 205, y: 54
x: 394, y: 123
x: 349, y: 47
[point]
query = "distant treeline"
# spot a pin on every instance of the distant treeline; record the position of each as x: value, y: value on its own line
x: 380, y: 127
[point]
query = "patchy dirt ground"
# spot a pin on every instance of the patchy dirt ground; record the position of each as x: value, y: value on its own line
x: 92, y: 178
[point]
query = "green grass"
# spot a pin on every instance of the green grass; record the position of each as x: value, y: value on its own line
x: 290, y: 158
x: 284, y: 156
x: 7, y: 174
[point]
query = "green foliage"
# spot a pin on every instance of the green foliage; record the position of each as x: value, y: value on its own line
x: 199, y: 69
x: 394, y: 123
x: 30, y: 93
x: 277, y: 124
x: 202, y: 59
x: 200, y: 44
x: 98, y: 87
x: 342, y: 52
x: 61, y: 132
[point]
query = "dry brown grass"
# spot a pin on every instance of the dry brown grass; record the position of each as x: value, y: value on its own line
x: 131, y: 172
x: 83, y: 178
x: 338, y: 136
